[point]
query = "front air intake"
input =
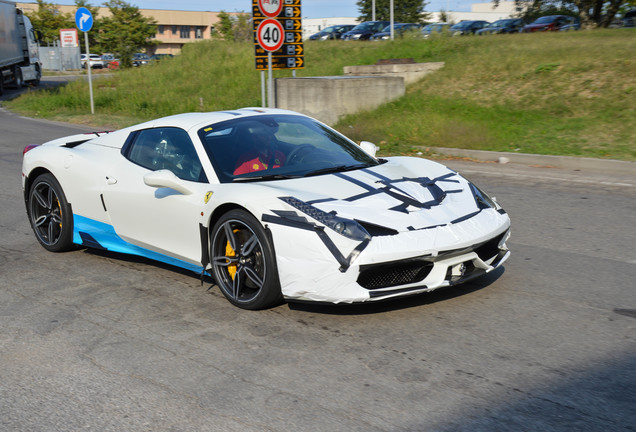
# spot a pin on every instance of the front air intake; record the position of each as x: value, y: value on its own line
x: 394, y: 273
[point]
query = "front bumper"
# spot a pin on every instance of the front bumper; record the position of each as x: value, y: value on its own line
x: 392, y: 266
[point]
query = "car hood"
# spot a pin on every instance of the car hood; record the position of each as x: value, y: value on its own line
x: 404, y: 194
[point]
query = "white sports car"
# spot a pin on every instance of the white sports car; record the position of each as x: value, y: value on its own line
x: 272, y: 204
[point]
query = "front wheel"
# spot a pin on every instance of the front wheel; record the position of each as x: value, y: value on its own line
x: 243, y: 261
x: 50, y: 214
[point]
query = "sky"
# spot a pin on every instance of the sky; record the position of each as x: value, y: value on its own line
x: 309, y: 8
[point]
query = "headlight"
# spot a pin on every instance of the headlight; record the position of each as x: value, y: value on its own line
x: 482, y: 199
x: 346, y: 227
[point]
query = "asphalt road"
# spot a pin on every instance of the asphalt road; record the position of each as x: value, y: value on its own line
x: 101, y: 342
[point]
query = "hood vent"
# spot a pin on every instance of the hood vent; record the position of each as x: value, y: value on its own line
x: 377, y: 230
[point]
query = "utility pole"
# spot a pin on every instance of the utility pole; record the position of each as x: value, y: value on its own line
x: 392, y: 20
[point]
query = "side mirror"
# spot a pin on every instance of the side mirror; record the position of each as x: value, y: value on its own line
x: 166, y: 179
x: 369, y: 147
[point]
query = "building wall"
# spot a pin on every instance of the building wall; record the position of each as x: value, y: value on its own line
x: 483, y: 11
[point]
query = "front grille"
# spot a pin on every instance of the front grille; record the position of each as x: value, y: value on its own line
x: 394, y: 273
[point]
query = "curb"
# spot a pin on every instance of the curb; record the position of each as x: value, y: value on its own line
x: 563, y: 162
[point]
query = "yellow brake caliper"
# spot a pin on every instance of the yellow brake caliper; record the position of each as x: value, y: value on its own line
x: 60, y: 207
x: 229, y: 252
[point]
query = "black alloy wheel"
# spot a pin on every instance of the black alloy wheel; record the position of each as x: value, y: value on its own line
x: 50, y: 214
x: 243, y: 261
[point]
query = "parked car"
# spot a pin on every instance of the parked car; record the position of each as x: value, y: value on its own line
x: 110, y: 61
x: 510, y: 25
x: 548, y: 23
x: 332, y: 32
x: 364, y: 30
x: 399, y: 29
x: 434, y: 28
x: 629, y: 19
x: 140, y: 59
x: 312, y: 217
x: 95, y: 61
x: 157, y: 57
x: 467, y: 27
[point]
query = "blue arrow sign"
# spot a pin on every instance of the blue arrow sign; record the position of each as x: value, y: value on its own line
x: 83, y: 19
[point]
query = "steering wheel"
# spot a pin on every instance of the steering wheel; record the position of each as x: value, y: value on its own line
x: 297, y: 155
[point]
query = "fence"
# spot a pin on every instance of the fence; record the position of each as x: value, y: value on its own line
x: 60, y: 58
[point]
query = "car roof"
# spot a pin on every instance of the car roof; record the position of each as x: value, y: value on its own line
x: 187, y: 121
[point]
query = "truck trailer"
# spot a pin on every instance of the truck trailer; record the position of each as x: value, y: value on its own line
x: 19, y: 57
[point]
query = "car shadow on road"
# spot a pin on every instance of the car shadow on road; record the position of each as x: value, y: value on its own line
x: 427, y: 298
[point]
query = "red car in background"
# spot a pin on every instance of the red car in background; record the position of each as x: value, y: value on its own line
x: 548, y: 23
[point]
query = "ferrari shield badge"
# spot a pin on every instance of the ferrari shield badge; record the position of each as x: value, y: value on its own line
x: 207, y: 196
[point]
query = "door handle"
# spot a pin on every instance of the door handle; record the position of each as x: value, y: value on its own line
x: 111, y: 180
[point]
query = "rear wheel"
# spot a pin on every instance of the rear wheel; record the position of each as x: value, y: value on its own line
x: 50, y: 214
x: 18, y: 81
x: 243, y: 261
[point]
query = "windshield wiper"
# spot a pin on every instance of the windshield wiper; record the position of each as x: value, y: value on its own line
x: 265, y: 177
x: 335, y: 169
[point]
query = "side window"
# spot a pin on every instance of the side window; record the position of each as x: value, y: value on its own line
x: 166, y: 148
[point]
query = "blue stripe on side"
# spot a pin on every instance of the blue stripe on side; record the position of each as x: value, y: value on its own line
x: 107, y: 238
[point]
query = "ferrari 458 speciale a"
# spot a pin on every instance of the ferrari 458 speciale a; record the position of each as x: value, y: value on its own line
x: 272, y: 204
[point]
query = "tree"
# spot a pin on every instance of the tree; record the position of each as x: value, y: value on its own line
x: 126, y: 31
x: 592, y: 13
x: 235, y: 27
x: 224, y: 27
x: 410, y: 11
x: 49, y: 20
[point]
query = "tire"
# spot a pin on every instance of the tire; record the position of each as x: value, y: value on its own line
x: 50, y: 214
x: 243, y: 261
x: 18, y: 81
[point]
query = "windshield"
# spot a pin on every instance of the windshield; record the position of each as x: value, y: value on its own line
x: 271, y: 147
x: 462, y: 25
x: 370, y: 25
x: 545, y: 20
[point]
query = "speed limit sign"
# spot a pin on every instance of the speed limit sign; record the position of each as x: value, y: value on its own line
x: 270, y: 35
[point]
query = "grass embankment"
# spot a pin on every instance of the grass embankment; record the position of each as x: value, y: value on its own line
x: 559, y: 93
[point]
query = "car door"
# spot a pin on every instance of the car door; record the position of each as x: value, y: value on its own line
x: 158, y: 218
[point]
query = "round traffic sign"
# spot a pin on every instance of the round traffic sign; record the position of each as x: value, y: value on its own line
x: 270, y: 35
x: 270, y: 8
x: 84, y: 19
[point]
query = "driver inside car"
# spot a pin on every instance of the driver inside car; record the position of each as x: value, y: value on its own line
x: 262, y: 154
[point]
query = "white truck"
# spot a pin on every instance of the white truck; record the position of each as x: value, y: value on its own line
x: 19, y: 58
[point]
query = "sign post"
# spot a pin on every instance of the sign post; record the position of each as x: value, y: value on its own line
x: 84, y: 22
x: 270, y: 36
x: 277, y: 37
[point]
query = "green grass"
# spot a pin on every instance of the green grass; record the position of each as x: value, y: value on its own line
x: 560, y: 93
